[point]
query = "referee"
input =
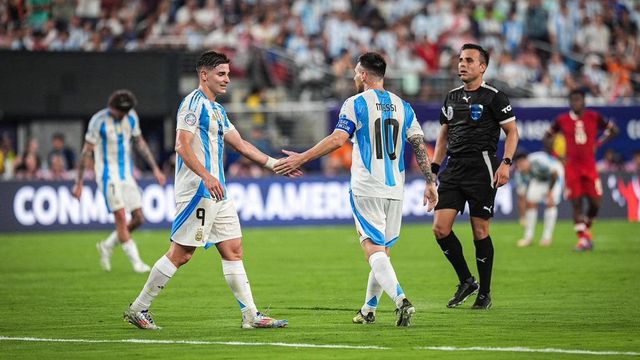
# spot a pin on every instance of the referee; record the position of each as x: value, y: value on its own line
x: 471, y: 118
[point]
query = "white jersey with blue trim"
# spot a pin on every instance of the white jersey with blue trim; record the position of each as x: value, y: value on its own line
x: 543, y: 165
x: 112, y: 145
x: 379, y: 123
x: 209, y: 123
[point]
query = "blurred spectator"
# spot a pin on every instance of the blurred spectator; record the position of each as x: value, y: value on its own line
x: 535, y: 21
x: 38, y: 12
x: 59, y: 148
x: 33, y: 151
x: 633, y: 165
x: 57, y: 170
x: 611, y: 162
x: 7, y: 157
x: 29, y: 168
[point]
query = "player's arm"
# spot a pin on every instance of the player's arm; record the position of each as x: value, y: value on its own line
x: 430, y: 191
x: 85, y: 157
x: 440, y: 150
x: 325, y: 146
x: 144, y: 150
x: 183, y: 148
x: 510, y: 144
x: 610, y: 131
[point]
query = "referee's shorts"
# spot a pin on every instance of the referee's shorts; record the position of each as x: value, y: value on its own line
x: 469, y: 178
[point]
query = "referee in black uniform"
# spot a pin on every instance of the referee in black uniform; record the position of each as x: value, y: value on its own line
x: 471, y: 118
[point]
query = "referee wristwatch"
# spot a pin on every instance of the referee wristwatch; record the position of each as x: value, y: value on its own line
x: 507, y: 161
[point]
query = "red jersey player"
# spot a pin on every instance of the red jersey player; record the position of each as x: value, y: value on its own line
x: 580, y: 127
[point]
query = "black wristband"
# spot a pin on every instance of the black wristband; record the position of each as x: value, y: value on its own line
x: 435, y: 168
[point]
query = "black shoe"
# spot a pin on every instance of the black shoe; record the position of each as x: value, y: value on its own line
x: 361, y: 318
x: 483, y: 302
x: 465, y: 289
x: 404, y: 313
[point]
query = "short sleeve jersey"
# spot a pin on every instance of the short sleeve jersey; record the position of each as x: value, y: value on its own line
x: 379, y: 123
x: 111, y: 138
x: 474, y: 119
x: 581, y: 135
x: 209, y: 123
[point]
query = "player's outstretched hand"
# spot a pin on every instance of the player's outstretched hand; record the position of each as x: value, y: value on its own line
x: 430, y: 197
x: 290, y: 164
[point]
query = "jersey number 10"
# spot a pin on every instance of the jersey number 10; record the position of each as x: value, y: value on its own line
x: 391, y: 127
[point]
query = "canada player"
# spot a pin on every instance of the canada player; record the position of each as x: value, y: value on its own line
x: 581, y: 127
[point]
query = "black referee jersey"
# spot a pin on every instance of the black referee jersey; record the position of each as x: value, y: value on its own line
x: 474, y: 119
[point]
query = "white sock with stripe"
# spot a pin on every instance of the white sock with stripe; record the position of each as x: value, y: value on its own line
x: 386, y: 276
x: 530, y: 219
x: 111, y: 241
x: 159, y: 276
x: 372, y: 297
x: 236, y: 277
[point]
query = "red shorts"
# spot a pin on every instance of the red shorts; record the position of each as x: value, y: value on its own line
x: 582, y: 181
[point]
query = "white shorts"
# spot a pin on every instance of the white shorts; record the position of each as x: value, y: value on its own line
x: 205, y: 222
x: 122, y: 195
x: 537, y: 191
x: 377, y: 219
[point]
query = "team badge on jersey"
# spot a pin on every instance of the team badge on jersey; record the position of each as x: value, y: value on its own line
x: 199, y: 234
x: 476, y: 111
x: 190, y: 118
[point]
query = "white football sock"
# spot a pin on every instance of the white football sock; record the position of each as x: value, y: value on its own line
x: 111, y: 241
x: 530, y: 218
x: 371, y: 299
x: 550, y: 217
x: 159, y: 276
x: 131, y: 249
x: 236, y: 277
x: 386, y: 276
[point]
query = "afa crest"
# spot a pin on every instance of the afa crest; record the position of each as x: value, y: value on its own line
x: 199, y: 234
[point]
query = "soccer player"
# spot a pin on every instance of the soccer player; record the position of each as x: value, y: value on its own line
x: 471, y: 119
x: 109, y: 138
x: 546, y: 177
x: 580, y: 127
x: 379, y: 123
x: 204, y: 215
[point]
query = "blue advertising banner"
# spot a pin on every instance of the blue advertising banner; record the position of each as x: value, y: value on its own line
x: 272, y: 201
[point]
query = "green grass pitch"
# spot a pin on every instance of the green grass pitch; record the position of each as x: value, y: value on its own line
x: 544, y: 298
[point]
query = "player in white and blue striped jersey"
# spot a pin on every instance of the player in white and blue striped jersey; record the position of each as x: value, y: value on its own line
x: 204, y: 215
x: 546, y: 180
x: 379, y: 124
x: 109, y: 137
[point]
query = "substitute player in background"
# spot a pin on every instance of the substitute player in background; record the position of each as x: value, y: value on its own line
x: 580, y: 127
x: 546, y: 177
x: 204, y: 215
x: 471, y: 119
x: 379, y: 123
x: 109, y: 139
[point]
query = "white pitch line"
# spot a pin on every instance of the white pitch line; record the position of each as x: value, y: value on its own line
x: 322, y: 346
x: 528, y: 350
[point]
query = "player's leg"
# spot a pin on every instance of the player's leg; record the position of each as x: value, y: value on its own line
x: 162, y: 271
x: 535, y: 193
x: 129, y: 245
x: 367, y: 313
x: 594, y: 197
x: 227, y: 236
x: 551, y: 214
x: 484, y: 260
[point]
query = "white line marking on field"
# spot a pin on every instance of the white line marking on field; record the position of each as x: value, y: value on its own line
x: 193, y: 342
x: 322, y: 346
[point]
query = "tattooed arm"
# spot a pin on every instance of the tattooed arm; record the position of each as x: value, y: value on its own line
x: 85, y: 157
x: 144, y: 150
x: 430, y: 192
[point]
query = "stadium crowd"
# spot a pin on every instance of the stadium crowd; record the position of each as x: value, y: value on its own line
x: 541, y: 48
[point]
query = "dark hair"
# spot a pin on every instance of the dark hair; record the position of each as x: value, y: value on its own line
x: 122, y: 100
x: 519, y: 156
x: 484, y: 55
x: 577, y: 92
x: 374, y: 63
x: 58, y: 136
x: 211, y: 59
